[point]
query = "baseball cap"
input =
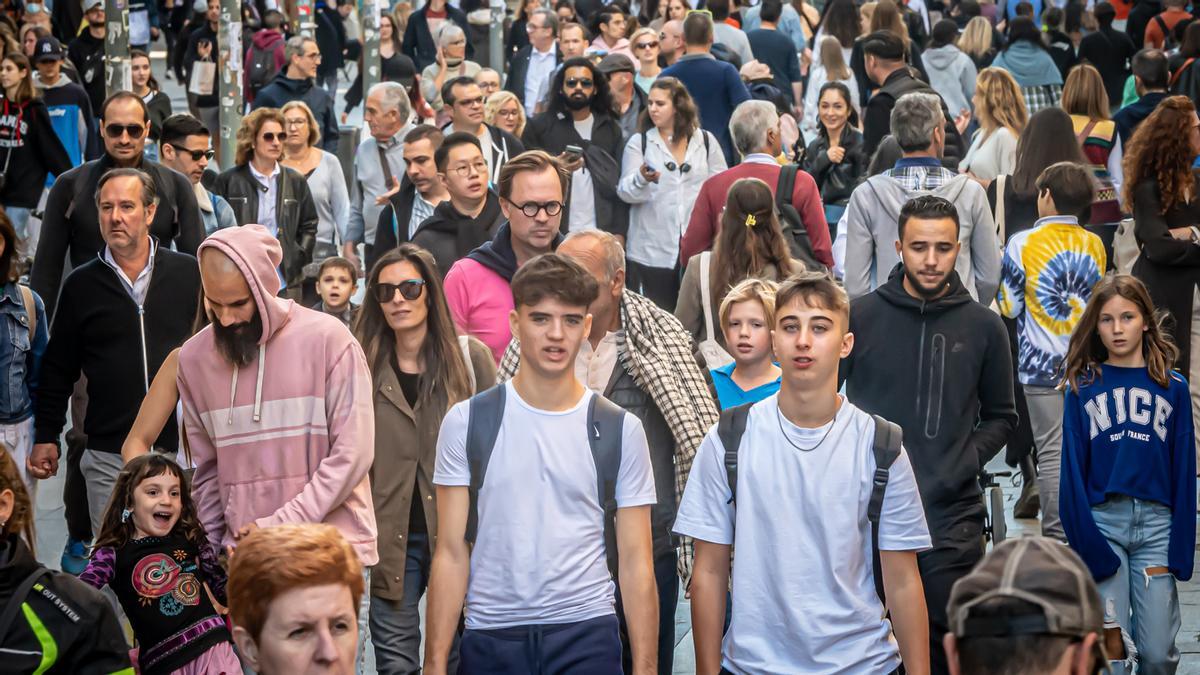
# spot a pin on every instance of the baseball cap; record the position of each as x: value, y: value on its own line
x: 616, y: 63
x: 47, y: 49
x: 1037, y: 570
x: 89, y: 4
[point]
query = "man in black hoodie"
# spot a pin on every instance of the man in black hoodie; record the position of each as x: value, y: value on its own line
x: 87, y: 52
x: 297, y: 82
x: 922, y: 328
x: 472, y: 214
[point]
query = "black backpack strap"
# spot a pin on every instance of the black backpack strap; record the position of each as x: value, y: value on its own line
x: 18, y: 599
x: 730, y: 428
x: 886, y: 448
x: 786, y: 185
x: 605, y: 429
x: 643, y: 147
x: 483, y: 426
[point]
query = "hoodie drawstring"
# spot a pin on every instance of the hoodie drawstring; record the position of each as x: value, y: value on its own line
x: 258, y: 384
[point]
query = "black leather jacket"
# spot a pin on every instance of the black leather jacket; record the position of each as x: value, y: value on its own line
x: 295, y: 213
x: 836, y: 181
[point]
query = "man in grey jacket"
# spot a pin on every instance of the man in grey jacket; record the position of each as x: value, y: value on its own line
x: 868, y: 231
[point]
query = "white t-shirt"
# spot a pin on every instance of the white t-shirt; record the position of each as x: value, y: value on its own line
x: 583, y: 196
x: 804, y: 597
x: 539, y: 554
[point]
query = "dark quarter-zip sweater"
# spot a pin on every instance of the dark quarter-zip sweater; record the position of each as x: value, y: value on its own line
x: 97, y: 331
x: 942, y: 370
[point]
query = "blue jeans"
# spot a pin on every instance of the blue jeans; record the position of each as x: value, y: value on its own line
x: 396, y: 628
x: 591, y: 647
x: 1145, y: 606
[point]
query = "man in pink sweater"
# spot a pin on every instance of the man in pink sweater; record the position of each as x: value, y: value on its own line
x: 276, y: 404
x: 477, y: 287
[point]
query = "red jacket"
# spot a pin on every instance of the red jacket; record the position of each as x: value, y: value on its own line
x: 706, y: 215
x: 265, y: 40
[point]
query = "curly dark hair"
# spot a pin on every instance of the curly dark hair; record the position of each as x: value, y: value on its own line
x: 116, y: 532
x: 1156, y: 153
x: 602, y: 102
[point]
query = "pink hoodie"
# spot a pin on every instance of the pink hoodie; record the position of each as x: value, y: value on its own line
x: 291, y: 438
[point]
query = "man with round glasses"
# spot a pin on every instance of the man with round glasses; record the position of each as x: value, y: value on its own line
x: 472, y: 215
x: 532, y: 188
x: 186, y: 146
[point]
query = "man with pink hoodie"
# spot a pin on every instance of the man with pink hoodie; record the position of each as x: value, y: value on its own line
x: 276, y: 404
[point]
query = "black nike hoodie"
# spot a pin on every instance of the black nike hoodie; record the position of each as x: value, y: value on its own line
x: 942, y: 370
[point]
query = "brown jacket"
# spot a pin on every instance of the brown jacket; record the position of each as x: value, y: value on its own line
x: 405, y: 450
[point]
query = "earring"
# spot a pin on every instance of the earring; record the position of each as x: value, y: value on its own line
x: 125, y: 513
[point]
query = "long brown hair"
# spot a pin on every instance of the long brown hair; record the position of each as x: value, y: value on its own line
x: 887, y: 17
x: 444, y: 374
x: 1086, y: 351
x: 1159, y: 151
x: 26, y: 92
x: 21, y: 520
x: 687, y: 118
x: 116, y: 531
x: 8, y: 271
x: 750, y: 239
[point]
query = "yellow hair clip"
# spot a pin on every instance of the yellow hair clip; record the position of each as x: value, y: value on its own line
x: 751, y: 221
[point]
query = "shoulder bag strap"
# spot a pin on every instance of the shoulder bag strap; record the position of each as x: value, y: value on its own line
x: 1175, y: 77
x: 18, y: 599
x: 1085, y: 132
x: 731, y: 426
x: 1001, y: 228
x: 886, y: 448
x: 606, y: 423
x: 705, y: 294
x: 30, y: 314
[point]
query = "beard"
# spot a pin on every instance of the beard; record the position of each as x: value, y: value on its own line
x: 238, y: 343
x: 578, y: 101
x: 925, y: 291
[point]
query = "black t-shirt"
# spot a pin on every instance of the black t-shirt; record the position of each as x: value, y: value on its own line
x: 410, y: 387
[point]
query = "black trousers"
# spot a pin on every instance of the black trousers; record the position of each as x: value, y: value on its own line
x: 660, y: 284
x: 951, y: 558
x: 75, y: 503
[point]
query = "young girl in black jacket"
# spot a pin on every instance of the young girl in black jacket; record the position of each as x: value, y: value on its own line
x: 836, y: 159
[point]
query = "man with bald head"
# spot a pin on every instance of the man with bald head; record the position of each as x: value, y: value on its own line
x: 276, y: 403
x: 118, y: 317
x: 633, y: 341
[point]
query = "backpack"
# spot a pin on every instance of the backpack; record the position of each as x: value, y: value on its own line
x: 262, y: 68
x: 605, y: 423
x: 886, y: 448
x: 1172, y: 37
x: 790, y: 222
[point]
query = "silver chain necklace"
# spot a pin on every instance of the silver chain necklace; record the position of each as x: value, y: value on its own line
x: 779, y: 419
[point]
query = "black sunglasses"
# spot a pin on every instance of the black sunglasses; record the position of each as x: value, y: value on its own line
x: 195, y: 154
x: 114, y: 131
x: 683, y: 168
x: 573, y: 82
x: 410, y: 289
x: 271, y: 137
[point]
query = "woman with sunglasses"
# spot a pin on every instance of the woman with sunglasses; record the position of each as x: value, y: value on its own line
x: 263, y: 191
x: 662, y: 170
x: 324, y: 173
x: 29, y: 148
x: 157, y: 103
x: 419, y: 368
x: 645, y: 48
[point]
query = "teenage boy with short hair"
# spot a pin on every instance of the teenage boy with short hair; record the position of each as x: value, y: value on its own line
x: 337, y: 279
x: 1060, y: 262
x: 805, y: 597
x: 539, y: 595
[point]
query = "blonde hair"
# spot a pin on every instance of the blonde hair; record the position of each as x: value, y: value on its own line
x: 247, y: 134
x: 314, y: 133
x: 1001, y: 102
x: 829, y: 55
x: 491, y: 108
x: 1084, y: 93
x: 976, y: 39
x: 747, y: 290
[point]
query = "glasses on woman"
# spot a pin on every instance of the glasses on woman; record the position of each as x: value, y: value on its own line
x: 410, y: 289
x: 508, y: 113
x: 271, y: 136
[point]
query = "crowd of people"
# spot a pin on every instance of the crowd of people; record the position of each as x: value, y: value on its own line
x: 676, y: 281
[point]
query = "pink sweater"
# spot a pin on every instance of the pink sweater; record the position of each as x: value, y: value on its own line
x: 289, y: 438
x: 480, y: 301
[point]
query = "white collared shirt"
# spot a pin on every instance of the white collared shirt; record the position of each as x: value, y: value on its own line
x: 759, y: 158
x: 594, y: 367
x: 541, y: 67
x: 138, y: 287
x: 266, y: 198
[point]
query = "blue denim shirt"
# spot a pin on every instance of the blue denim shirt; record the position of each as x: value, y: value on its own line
x: 20, y: 358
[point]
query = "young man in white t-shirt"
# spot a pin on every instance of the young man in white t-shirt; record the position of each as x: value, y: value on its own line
x: 804, y: 598
x: 539, y: 596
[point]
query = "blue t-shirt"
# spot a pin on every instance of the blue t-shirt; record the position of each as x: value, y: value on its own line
x: 730, y: 395
x: 1124, y: 434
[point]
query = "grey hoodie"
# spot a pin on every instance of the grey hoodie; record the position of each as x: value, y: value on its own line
x: 951, y: 74
x: 872, y: 230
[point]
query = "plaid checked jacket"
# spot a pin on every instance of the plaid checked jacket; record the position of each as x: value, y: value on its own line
x: 658, y: 352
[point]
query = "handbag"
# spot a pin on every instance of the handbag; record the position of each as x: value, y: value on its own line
x: 710, y: 350
x: 1125, y: 247
x: 204, y: 76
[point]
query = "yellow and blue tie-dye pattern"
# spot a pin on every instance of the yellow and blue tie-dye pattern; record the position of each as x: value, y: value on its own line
x: 1046, y: 280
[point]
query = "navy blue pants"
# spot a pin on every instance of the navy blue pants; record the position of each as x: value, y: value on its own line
x: 591, y: 647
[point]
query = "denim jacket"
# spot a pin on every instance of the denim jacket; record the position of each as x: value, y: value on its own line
x: 20, y: 359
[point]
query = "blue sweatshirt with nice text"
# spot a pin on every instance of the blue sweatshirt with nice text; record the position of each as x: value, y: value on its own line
x: 1124, y: 434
